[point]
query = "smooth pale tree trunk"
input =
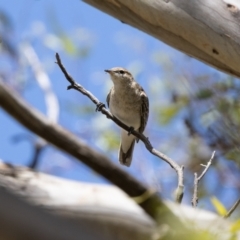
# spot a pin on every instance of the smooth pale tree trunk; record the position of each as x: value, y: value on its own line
x: 97, y: 210
x: 92, y: 211
x: 208, y: 30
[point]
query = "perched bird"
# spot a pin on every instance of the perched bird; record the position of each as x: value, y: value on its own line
x: 128, y: 102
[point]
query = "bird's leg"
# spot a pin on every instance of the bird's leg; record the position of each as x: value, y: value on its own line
x: 100, y: 106
x: 131, y: 129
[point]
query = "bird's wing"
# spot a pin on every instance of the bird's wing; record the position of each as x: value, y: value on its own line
x: 108, y: 97
x: 144, y: 110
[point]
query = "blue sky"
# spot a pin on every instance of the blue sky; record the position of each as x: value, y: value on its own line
x: 111, y: 44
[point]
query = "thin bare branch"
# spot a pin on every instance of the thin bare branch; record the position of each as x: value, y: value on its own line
x: 39, y: 144
x: 232, y: 209
x: 101, y: 107
x: 197, y: 180
x: 43, y: 81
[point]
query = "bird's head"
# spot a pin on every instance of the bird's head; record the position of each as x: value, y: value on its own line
x: 120, y: 75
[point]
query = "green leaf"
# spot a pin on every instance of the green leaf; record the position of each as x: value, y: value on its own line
x: 205, y: 93
x: 167, y: 113
x: 233, y: 154
x: 235, y: 226
x: 68, y: 45
x: 223, y: 105
x: 219, y: 207
x: 111, y: 138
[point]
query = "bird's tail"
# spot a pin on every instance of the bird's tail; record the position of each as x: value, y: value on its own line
x: 126, y: 148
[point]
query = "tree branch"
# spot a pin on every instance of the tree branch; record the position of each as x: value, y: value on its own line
x: 90, y: 209
x: 90, y: 204
x: 23, y: 221
x: 189, y: 26
x: 232, y: 209
x: 101, y: 107
x: 197, y: 180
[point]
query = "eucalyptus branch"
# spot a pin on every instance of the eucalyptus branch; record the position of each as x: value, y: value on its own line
x: 232, y: 209
x: 197, y: 180
x: 101, y: 107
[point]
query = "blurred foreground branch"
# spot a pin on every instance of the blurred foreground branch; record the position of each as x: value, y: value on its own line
x: 88, y: 211
x: 21, y: 221
x: 85, y: 205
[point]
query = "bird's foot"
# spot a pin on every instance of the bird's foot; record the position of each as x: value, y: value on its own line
x: 131, y: 129
x: 100, y: 106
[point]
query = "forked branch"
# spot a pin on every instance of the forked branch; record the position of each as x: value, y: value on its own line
x: 197, y: 180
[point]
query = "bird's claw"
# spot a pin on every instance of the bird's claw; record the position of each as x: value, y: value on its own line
x: 100, y: 106
x: 131, y: 129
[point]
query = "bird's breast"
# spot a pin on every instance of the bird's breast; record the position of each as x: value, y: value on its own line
x: 126, y: 107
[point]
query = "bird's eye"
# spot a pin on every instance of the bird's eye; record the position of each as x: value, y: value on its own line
x: 121, y: 71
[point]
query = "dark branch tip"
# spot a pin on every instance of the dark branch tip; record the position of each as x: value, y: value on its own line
x: 69, y: 87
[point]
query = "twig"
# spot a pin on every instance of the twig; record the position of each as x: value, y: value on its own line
x: 39, y: 147
x: 197, y: 180
x: 232, y: 209
x: 101, y: 107
x: 39, y: 144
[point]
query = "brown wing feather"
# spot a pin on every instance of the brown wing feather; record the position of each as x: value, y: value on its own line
x: 108, y: 97
x: 144, y: 111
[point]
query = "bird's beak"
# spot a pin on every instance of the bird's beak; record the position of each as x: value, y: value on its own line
x: 108, y: 71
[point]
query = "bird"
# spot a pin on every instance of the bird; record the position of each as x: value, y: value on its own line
x: 129, y: 103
